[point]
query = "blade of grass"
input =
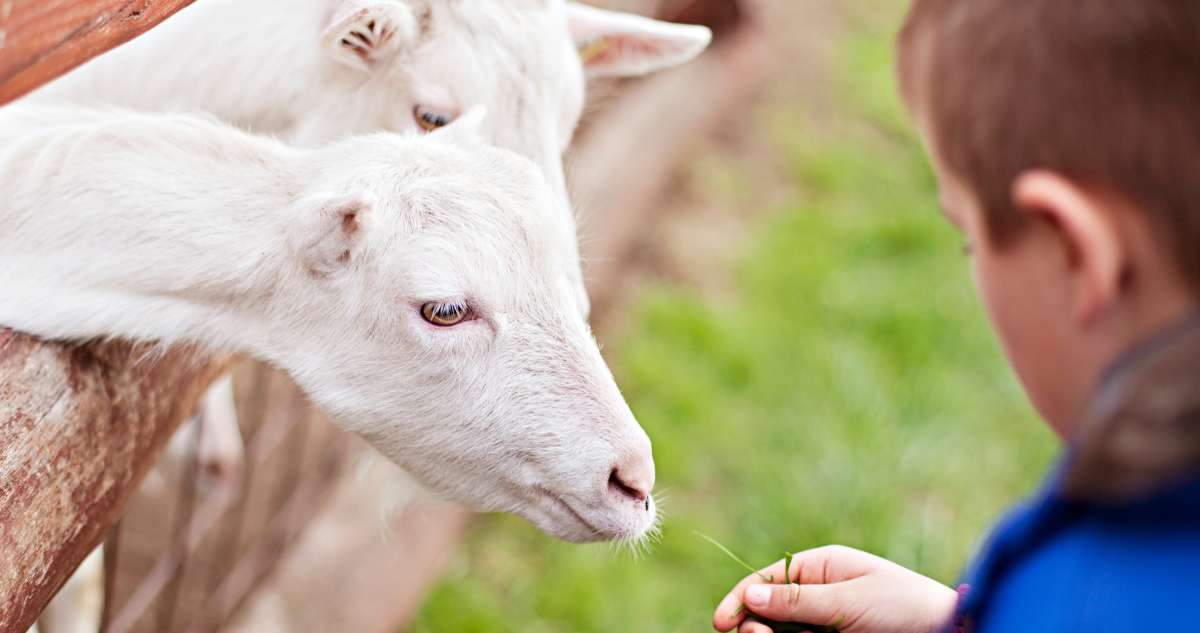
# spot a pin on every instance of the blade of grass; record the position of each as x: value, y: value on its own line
x: 734, y: 557
x: 787, y: 568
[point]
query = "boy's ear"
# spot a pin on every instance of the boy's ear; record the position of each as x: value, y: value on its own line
x: 328, y: 232
x: 613, y: 44
x: 1085, y: 223
x: 362, y: 34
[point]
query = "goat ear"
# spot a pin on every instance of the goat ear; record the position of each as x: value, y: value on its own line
x: 364, y: 33
x: 613, y: 44
x: 464, y: 130
x: 327, y: 234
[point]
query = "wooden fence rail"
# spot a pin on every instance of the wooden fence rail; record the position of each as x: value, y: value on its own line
x: 79, y: 428
x: 42, y: 39
x: 79, y: 425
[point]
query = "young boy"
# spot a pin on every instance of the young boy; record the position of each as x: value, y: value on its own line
x: 1066, y: 138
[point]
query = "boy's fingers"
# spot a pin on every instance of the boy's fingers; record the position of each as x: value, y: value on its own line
x: 814, y: 604
x: 754, y: 627
x: 830, y: 564
x: 819, y: 566
x: 729, y: 614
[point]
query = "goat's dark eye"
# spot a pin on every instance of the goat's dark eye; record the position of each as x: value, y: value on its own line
x: 429, y: 119
x: 445, y: 314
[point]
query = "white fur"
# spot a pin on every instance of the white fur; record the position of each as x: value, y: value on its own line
x: 175, y: 228
x: 283, y: 67
x: 310, y: 71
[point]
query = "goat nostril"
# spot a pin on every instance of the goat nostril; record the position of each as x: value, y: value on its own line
x: 616, y: 482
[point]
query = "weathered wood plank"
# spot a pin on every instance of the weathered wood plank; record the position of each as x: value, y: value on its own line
x: 79, y: 428
x: 79, y: 425
x: 42, y: 39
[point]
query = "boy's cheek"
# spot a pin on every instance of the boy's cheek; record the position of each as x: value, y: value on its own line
x: 1023, y: 312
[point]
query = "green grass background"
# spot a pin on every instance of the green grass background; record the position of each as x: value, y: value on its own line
x: 846, y: 391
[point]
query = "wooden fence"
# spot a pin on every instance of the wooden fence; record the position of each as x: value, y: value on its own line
x: 80, y: 426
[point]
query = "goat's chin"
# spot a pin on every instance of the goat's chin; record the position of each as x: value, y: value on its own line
x: 606, y: 517
x: 589, y: 523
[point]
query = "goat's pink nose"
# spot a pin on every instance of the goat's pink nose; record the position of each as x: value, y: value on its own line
x: 633, y: 477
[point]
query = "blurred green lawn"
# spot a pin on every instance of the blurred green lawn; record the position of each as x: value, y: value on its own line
x: 848, y: 391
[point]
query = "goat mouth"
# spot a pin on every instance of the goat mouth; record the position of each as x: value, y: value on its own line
x: 570, y: 511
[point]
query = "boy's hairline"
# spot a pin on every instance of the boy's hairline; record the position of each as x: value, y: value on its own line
x: 914, y: 52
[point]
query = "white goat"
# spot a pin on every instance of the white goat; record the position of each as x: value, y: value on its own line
x: 415, y: 288
x: 311, y: 71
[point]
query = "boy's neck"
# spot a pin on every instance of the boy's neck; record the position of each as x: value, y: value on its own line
x: 1146, y: 315
x: 1141, y: 432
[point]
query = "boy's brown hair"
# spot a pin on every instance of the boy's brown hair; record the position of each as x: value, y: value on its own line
x: 1105, y: 92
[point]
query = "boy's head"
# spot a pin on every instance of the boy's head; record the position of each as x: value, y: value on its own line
x: 1066, y: 136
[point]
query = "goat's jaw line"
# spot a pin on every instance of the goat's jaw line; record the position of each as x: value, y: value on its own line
x: 564, y: 521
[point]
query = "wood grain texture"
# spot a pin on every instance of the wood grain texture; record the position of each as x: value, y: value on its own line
x: 42, y: 39
x: 375, y: 566
x: 79, y: 428
x: 79, y: 425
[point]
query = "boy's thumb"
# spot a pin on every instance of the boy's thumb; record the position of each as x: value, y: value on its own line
x: 818, y: 605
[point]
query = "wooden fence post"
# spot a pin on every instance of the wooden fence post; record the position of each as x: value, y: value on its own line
x: 42, y: 39
x: 79, y: 426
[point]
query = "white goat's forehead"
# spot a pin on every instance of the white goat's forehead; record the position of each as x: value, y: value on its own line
x: 508, y: 31
x: 514, y: 56
x: 504, y: 270
x: 491, y: 215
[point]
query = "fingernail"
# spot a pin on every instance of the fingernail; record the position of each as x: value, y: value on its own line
x: 758, y: 595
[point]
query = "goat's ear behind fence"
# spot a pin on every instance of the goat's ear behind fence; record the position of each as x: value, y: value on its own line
x: 615, y: 44
x: 364, y: 36
x: 327, y: 233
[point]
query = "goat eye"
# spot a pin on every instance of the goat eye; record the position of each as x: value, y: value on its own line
x: 429, y: 119
x: 445, y: 314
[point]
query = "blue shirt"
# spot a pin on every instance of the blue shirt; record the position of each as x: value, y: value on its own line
x: 1112, y: 541
x: 1057, y: 565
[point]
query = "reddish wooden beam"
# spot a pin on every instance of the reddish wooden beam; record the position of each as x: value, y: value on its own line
x: 42, y: 39
x: 79, y: 428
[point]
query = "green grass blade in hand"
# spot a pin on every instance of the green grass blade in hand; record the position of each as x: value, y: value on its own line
x: 734, y: 557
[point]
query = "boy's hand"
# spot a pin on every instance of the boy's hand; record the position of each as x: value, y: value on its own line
x: 849, y: 590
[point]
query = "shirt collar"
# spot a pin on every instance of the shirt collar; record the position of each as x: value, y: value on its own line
x: 1142, y: 430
